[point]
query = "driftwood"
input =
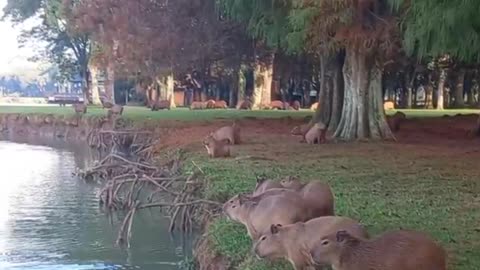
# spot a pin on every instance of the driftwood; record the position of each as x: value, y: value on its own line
x: 132, y: 183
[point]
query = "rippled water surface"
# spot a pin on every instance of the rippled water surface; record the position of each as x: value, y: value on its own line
x: 51, y: 220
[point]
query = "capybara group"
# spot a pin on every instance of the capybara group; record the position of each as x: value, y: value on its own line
x: 296, y: 241
x: 394, y: 250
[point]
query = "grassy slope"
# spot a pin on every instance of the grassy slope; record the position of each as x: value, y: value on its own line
x: 425, y: 191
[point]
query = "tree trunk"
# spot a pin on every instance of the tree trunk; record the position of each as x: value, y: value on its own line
x: 441, y: 89
x: 477, y: 127
x: 459, y: 87
x: 324, y: 109
x: 363, y: 116
x: 262, y: 93
x: 409, y: 87
x: 337, y: 95
x: 95, y: 90
x: 110, y: 82
x: 429, y: 93
x: 170, y: 90
x: 242, y: 84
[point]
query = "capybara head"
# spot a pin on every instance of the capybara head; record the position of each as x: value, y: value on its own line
x: 296, y: 105
x: 330, y: 247
x: 270, y: 245
x: 291, y: 182
x: 234, y: 209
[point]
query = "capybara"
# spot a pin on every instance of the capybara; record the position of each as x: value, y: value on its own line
x: 80, y: 108
x: 296, y: 242
x: 316, y: 134
x: 301, y: 130
x: 230, y: 134
x: 115, y: 110
x: 210, y: 104
x: 263, y: 184
x: 216, y: 149
x: 317, y: 195
x: 221, y: 104
x: 244, y: 105
x: 161, y: 105
x: 277, y: 105
x: 198, y: 105
x: 396, y: 120
x: 296, y: 105
x: 258, y: 214
x: 395, y: 250
x: 388, y: 105
x: 314, y: 107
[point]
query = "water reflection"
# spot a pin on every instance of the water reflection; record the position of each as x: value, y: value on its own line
x: 51, y: 220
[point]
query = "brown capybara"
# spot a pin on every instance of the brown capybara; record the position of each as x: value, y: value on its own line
x: 316, y: 134
x: 301, y: 130
x: 277, y: 105
x: 395, y: 250
x: 198, y: 105
x: 244, y: 105
x: 230, y: 134
x: 258, y: 214
x: 216, y: 149
x: 210, y: 104
x: 263, y: 184
x: 116, y: 110
x: 396, y: 120
x: 221, y: 104
x: 161, y: 105
x: 388, y: 105
x: 296, y: 242
x: 296, y: 105
x: 80, y: 108
x: 314, y: 107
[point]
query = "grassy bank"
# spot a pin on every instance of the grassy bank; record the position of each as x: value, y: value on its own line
x: 184, y: 114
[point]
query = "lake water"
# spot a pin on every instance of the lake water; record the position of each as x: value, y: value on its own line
x: 51, y: 220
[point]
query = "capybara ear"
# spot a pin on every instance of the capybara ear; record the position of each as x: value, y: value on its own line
x: 274, y: 228
x: 260, y: 179
x: 342, y: 236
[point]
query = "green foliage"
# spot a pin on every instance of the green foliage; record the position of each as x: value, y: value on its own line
x: 434, y: 28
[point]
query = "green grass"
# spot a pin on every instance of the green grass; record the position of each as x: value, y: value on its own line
x: 435, y: 194
x: 183, y: 114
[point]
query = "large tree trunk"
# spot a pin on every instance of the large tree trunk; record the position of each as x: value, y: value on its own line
x: 242, y: 84
x: 409, y: 79
x: 459, y: 87
x: 110, y: 82
x: 337, y: 95
x: 262, y: 93
x: 363, y: 116
x: 170, y: 90
x: 441, y: 89
x: 325, y: 93
x: 95, y: 90
x: 429, y: 93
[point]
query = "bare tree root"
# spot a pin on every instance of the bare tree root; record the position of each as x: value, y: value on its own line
x: 132, y: 183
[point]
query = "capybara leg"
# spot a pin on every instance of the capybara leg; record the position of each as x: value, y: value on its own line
x: 322, y: 138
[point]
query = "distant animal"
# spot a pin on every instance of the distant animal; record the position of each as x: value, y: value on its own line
x: 198, y: 105
x: 296, y: 105
x: 301, y: 130
x: 115, y: 110
x: 210, y: 104
x: 244, y: 105
x: 394, y: 250
x: 258, y: 214
x: 277, y: 105
x: 314, y: 107
x: 230, y: 134
x: 221, y: 104
x: 215, y: 148
x: 396, y: 120
x: 295, y: 242
x: 388, y: 105
x: 316, y: 134
x: 80, y: 108
x: 107, y: 104
x: 161, y: 105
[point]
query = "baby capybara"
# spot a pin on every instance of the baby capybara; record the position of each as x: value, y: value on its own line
x: 221, y: 104
x: 229, y: 134
x: 210, y: 104
x: 197, y: 105
x: 296, y: 105
x: 316, y: 134
x: 395, y: 250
